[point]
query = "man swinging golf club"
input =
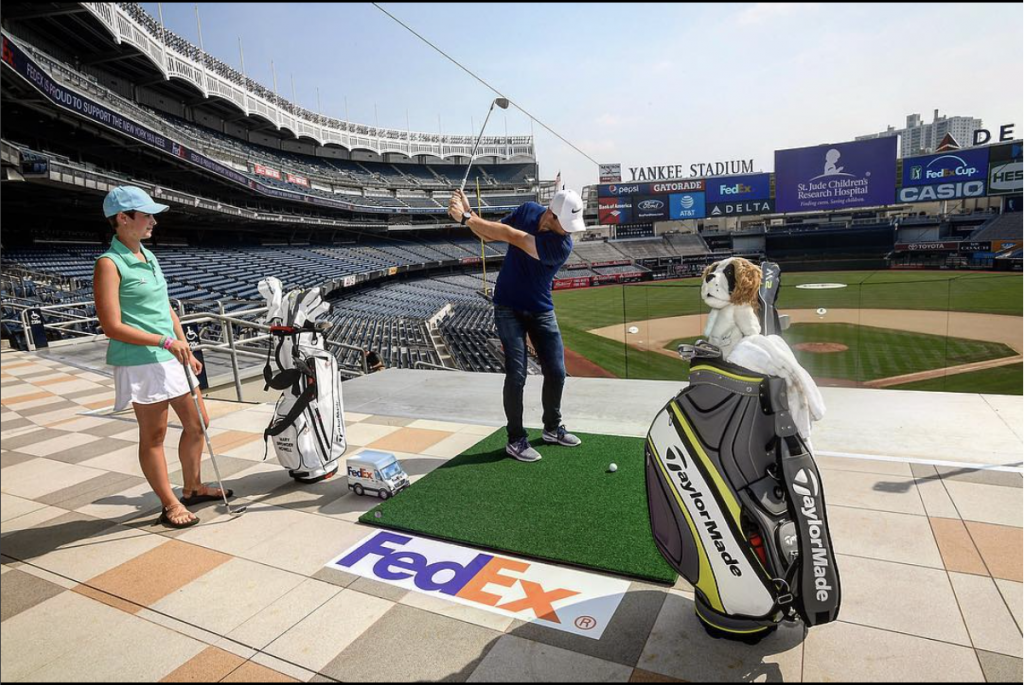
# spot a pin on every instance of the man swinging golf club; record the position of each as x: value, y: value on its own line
x: 539, y: 242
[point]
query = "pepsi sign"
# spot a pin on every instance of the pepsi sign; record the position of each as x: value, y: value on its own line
x: 686, y: 206
x: 739, y: 188
x: 953, y: 166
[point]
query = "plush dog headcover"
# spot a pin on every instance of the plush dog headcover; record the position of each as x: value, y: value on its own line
x: 731, y: 281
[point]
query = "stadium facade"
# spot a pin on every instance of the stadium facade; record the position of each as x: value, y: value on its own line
x: 99, y: 94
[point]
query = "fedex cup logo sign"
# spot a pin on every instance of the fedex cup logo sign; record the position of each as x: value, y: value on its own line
x: 949, y: 167
x: 563, y: 599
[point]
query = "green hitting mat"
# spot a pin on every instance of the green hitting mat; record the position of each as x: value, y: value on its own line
x: 566, y: 508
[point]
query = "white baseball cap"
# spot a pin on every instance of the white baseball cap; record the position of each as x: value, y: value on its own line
x: 567, y: 206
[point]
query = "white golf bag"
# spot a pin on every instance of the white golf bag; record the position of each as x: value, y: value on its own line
x: 308, y: 426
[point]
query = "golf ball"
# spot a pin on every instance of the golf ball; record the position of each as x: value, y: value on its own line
x: 822, y: 311
x: 634, y: 330
x: 613, y: 468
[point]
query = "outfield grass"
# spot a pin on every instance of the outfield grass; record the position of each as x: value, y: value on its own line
x: 565, y: 508
x: 880, y: 352
x: 582, y: 310
x: 1004, y: 380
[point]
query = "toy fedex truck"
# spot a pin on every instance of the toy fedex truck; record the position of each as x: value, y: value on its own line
x: 376, y: 472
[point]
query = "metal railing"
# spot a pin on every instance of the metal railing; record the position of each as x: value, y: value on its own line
x: 427, y: 365
x: 234, y: 348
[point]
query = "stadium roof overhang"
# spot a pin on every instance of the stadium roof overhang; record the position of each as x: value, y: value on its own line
x: 78, y: 32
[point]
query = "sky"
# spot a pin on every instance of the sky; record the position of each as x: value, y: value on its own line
x: 634, y: 84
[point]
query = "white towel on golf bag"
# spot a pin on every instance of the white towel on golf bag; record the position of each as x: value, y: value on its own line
x: 770, y: 355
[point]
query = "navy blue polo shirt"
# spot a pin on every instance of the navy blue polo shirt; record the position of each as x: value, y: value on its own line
x: 524, y: 283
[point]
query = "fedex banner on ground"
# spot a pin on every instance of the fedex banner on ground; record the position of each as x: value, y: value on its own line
x: 563, y: 599
x: 839, y: 176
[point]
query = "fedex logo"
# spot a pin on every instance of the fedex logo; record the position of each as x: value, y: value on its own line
x: 563, y: 599
x: 454, y: 579
x: 738, y: 189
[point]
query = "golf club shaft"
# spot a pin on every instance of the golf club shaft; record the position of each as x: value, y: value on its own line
x: 462, y: 186
x: 206, y: 434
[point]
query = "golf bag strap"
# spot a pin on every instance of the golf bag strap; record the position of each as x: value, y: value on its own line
x: 288, y: 419
x: 816, y: 584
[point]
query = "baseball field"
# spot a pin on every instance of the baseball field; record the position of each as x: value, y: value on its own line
x: 946, y: 330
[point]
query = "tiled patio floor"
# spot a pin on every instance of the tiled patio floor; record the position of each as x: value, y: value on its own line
x: 93, y: 588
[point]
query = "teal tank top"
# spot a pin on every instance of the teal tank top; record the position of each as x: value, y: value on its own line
x: 144, y: 305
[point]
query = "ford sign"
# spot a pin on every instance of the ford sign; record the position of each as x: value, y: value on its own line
x: 651, y: 205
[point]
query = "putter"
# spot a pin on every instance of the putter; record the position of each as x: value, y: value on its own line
x: 195, y: 398
x: 500, y: 102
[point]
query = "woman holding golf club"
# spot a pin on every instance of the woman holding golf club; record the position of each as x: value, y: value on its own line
x: 148, y: 351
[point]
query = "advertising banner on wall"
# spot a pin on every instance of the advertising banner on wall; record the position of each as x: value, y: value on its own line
x: 650, y: 208
x: 298, y: 180
x: 266, y: 171
x: 942, y: 191
x: 660, y: 188
x: 947, y: 167
x: 686, y: 206
x: 839, y: 176
x: 1005, y: 172
x: 610, y: 173
x: 741, y: 208
x: 614, y: 210
x: 735, y: 189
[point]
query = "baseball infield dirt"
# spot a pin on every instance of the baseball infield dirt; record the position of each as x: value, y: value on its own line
x: 654, y: 334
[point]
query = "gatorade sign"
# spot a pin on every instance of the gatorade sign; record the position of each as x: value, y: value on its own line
x: 563, y: 599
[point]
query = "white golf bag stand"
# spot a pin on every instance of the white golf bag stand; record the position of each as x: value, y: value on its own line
x: 308, y: 426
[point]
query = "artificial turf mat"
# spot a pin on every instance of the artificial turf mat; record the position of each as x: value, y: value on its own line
x: 566, y: 508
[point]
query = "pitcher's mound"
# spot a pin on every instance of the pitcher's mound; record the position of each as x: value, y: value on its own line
x: 821, y: 348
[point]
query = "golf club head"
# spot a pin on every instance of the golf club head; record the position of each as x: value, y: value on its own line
x: 501, y: 102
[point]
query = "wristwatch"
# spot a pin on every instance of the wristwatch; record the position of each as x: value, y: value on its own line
x: 466, y: 216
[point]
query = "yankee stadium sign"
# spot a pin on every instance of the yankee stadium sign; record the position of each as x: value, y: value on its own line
x: 665, y: 173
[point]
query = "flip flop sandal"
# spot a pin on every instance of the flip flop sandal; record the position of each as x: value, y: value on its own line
x: 166, y: 520
x: 196, y: 498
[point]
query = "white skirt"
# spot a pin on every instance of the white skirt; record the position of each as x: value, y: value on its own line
x: 150, y: 383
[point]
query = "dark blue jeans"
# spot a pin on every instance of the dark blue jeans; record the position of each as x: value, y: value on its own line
x: 513, y: 325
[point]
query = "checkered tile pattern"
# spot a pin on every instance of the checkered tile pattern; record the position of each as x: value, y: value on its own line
x: 94, y: 589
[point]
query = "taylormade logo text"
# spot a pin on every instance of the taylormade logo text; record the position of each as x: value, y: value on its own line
x: 819, y: 554
x: 709, y: 524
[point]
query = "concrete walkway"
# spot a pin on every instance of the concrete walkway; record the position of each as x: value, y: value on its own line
x: 94, y: 589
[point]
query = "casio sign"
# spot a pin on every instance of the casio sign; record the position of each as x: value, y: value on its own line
x: 652, y: 205
x: 943, y: 191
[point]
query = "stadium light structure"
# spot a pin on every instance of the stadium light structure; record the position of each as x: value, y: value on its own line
x: 500, y: 102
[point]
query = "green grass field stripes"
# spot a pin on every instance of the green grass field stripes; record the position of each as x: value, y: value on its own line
x: 1003, y: 380
x: 589, y: 308
x: 880, y: 352
x: 565, y: 508
x: 582, y: 310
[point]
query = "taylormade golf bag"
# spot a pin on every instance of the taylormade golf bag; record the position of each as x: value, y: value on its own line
x: 308, y: 427
x: 735, y: 499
